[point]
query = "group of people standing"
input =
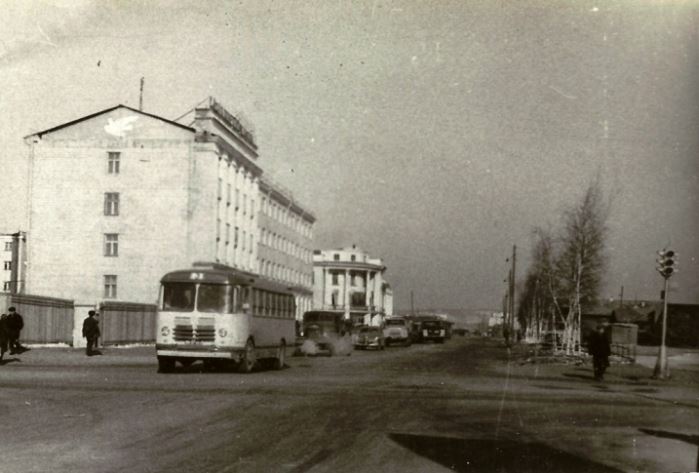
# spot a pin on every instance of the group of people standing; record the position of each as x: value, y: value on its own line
x: 11, y: 325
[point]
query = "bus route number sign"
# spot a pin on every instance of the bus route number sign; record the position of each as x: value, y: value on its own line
x: 196, y: 276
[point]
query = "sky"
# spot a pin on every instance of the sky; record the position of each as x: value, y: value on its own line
x: 432, y: 134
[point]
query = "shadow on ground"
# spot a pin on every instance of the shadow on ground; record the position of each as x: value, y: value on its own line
x: 484, y: 455
x: 691, y: 439
x: 8, y: 360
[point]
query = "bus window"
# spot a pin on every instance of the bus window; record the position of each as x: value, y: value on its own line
x: 178, y: 296
x: 214, y: 298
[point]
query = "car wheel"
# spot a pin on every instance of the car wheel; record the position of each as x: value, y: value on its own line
x: 279, y: 361
x: 247, y: 362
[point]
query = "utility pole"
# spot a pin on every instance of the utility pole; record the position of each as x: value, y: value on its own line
x: 621, y: 297
x: 666, y: 267
x: 140, y: 95
x: 512, y: 290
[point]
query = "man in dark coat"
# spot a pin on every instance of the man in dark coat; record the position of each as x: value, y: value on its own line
x: 91, y: 331
x: 598, y: 346
x: 4, y: 338
x: 14, y: 325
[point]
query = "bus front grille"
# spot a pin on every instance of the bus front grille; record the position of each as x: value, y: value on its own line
x: 187, y: 333
x: 183, y: 333
x: 205, y: 334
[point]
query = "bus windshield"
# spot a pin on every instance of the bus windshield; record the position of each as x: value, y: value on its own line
x: 214, y: 298
x: 178, y: 296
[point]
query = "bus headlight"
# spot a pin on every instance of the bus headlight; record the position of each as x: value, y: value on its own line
x: 165, y: 331
x: 222, y: 332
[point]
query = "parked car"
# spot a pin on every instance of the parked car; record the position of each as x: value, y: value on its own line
x: 370, y: 337
x: 397, y: 330
x: 327, y: 332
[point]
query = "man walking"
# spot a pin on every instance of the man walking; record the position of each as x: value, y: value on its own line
x: 91, y: 331
x: 598, y: 347
x: 14, y: 325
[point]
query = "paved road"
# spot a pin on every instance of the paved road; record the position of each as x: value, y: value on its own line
x: 427, y: 408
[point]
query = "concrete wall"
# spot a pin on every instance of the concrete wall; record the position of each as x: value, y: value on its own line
x: 69, y: 181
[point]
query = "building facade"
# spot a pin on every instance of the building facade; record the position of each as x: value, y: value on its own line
x: 286, y: 242
x: 13, y: 251
x: 349, y: 281
x: 120, y: 197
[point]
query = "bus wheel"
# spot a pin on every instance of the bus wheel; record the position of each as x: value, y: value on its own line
x: 165, y: 365
x: 247, y: 362
x: 278, y: 362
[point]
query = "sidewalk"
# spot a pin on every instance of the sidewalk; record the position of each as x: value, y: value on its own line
x: 63, y: 355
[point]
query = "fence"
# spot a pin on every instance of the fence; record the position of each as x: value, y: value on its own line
x: 125, y: 322
x: 46, y: 319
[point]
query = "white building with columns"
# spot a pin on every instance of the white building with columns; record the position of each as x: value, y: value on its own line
x: 350, y: 282
x: 120, y: 197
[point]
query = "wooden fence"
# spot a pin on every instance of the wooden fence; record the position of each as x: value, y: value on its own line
x: 126, y: 322
x: 46, y: 319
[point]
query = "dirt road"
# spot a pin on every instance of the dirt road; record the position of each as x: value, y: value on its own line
x: 427, y: 408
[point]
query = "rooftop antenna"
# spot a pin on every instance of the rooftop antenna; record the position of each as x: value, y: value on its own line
x: 140, y: 97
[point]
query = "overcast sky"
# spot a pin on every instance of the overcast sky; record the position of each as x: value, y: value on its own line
x: 434, y: 135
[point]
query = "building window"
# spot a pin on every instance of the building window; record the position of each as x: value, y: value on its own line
x: 252, y: 209
x: 220, y: 189
x: 353, y: 257
x: 8, y: 246
x: 336, y: 257
x: 228, y: 194
x: 111, y: 203
x: 335, y: 279
x: 113, y: 158
x: 252, y: 240
x: 244, y: 237
x: 110, y: 286
x: 111, y: 244
x: 237, y: 199
x: 245, y: 204
x: 235, y: 241
x: 228, y: 233
x: 6, y: 286
x: 8, y: 265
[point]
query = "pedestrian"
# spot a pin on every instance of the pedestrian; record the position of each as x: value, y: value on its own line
x: 598, y: 346
x: 91, y: 331
x: 4, y: 338
x: 14, y: 325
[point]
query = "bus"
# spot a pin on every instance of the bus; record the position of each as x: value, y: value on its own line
x: 221, y: 315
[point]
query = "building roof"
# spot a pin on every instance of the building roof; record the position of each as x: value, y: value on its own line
x: 87, y: 117
x: 627, y: 314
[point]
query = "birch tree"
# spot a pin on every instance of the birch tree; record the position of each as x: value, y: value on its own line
x: 580, y: 264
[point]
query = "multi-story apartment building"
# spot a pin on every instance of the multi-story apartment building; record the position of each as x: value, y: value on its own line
x: 286, y: 235
x: 120, y: 197
x: 13, y: 256
x: 349, y: 281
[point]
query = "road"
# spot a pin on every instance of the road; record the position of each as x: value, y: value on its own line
x: 461, y: 406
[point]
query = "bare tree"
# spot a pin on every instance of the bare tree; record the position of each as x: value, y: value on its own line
x: 539, y: 308
x: 566, y: 271
x: 580, y: 264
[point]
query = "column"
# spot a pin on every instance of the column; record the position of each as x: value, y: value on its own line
x: 345, y: 296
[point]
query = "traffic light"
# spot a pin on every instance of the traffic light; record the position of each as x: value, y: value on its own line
x: 667, y: 263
